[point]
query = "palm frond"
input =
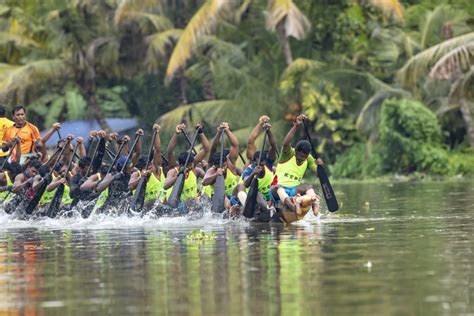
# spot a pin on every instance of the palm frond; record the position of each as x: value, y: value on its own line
x: 17, y: 40
x: 454, y: 63
x: 103, y: 53
x: 147, y: 22
x: 202, y: 23
x: 391, y: 8
x: 21, y: 78
x: 462, y: 89
x: 441, y: 23
x: 369, y: 117
x: 412, y: 72
x: 125, y: 7
x: 301, y: 65
x: 287, y: 14
x: 157, y: 46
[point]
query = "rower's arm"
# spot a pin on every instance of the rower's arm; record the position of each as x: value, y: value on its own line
x: 199, y: 172
x: 171, y: 146
x: 134, y: 179
x: 50, y: 132
x: 291, y: 134
x: 38, y: 181
x: 251, y: 148
x: 272, y: 152
x: 81, y: 147
x: 104, y: 184
x: 138, y: 147
x: 19, y: 184
x: 205, y: 149
x: 215, y: 143
x: 234, y: 143
x: 170, y: 178
x: 157, y: 149
x: 54, y: 184
x: 210, y: 176
x: 90, y: 183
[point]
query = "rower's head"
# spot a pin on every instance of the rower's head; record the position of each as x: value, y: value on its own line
x: 14, y: 169
x: 302, y: 150
x: 84, y: 162
x: 58, y: 167
x: 262, y: 160
x: 121, y: 162
x: 216, y: 159
x: 103, y: 169
x: 182, y: 159
x: 19, y: 114
x: 33, y: 168
x: 141, y: 163
x: 2, y: 111
x: 43, y: 170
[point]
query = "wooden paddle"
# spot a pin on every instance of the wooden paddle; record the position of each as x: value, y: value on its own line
x: 174, y: 198
x: 46, y: 180
x: 328, y: 192
x: 130, y: 153
x: 251, y: 201
x: 218, y: 199
x: 55, y: 203
x: 15, y: 142
x: 139, y: 197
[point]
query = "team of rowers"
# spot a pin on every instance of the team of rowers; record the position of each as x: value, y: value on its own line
x: 30, y: 179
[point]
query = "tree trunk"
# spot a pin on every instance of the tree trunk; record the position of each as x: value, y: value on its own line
x: 99, y: 116
x: 285, y: 43
x: 208, y: 90
x: 467, y: 117
x: 181, y: 87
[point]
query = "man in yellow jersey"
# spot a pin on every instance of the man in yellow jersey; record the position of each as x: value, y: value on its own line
x: 192, y: 172
x: 4, y: 125
x: 295, y: 199
x: 229, y: 170
x: 264, y: 171
x: 154, y: 188
x: 27, y: 132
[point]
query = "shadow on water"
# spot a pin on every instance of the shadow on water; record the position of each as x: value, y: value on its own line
x: 392, y: 249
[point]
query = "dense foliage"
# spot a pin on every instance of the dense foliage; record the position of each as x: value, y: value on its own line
x: 388, y: 85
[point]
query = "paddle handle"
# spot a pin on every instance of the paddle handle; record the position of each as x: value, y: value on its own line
x: 137, y: 138
x: 326, y: 186
x: 9, y: 154
x: 153, y: 138
x: 313, y: 150
x: 189, y: 141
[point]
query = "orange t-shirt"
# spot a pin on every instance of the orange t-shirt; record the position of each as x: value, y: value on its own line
x: 28, y: 135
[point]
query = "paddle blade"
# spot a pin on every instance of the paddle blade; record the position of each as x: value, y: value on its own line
x: 139, y: 196
x: 251, y: 201
x: 174, y: 198
x: 218, y: 199
x: 55, y: 204
x: 36, y: 198
x: 328, y: 192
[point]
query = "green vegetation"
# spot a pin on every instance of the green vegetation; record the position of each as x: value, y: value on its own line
x: 388, y: 85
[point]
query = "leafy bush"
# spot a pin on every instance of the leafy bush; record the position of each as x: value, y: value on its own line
x: 410, y: 138
x: 358, y: 162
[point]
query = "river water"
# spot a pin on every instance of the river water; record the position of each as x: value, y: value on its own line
x: 392, y: 249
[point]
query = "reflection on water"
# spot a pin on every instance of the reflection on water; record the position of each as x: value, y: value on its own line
x: 403, y: 249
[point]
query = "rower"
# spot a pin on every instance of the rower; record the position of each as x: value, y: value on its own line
x: 229, y: 170
x: 293, y: 197
x: 114, y: 187
x: 155, y: 183
x: 192, y: 172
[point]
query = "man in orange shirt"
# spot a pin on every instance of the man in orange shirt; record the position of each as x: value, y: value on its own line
x: 27, y: 132
x: 4, y: 124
